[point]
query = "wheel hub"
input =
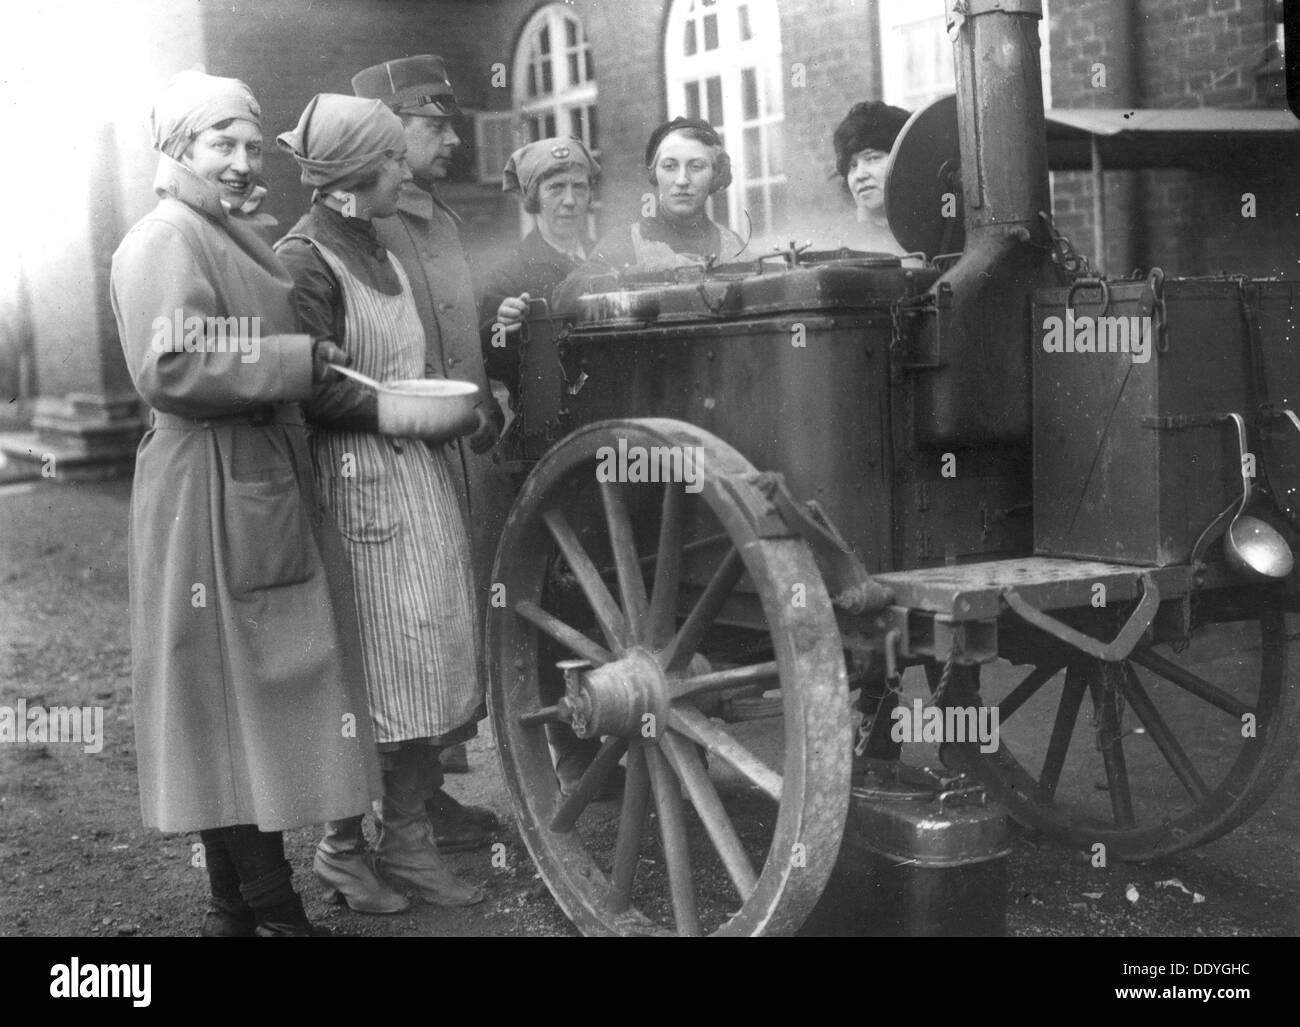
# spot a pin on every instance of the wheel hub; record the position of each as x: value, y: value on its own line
x: 627, y: 697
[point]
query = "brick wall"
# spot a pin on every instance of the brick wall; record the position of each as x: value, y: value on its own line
x: 839, y: 45
x: 1189, y: 53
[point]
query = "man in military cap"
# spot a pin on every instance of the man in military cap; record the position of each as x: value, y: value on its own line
x: 424, y: 237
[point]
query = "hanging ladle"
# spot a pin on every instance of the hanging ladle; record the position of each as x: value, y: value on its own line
x: 1250, y: 545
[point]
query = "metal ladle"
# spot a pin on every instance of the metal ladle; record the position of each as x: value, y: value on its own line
x: 1250, y: 545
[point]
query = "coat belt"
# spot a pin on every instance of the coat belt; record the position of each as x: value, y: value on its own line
x: 283, y: 413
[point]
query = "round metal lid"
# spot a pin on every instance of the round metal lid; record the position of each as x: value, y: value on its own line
x: 924, y: 166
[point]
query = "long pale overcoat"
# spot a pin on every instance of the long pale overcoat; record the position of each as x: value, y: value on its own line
x: 248, y: 709
x: 424, y: 237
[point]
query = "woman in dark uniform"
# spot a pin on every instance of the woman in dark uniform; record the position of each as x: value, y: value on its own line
x: 554, y: 179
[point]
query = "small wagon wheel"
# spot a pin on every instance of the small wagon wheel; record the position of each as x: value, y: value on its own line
x: 748, y: 860
x: 1179, y: 749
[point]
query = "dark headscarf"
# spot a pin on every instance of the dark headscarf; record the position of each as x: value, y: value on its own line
x: 868, y: 126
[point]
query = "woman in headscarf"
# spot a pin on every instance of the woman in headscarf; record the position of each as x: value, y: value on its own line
x: 863, y: 141
x: 686, y: 164
x: 394, y: 497
x: 242, y: 697
x: 554, y: 179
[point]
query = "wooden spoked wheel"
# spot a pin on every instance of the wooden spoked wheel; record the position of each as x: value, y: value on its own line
x: 1172, y: 750
x: 640, y: 581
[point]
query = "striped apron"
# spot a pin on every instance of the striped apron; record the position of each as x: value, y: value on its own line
x: 401, y: 523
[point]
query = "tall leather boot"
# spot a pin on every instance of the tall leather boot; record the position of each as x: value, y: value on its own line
x: 407, y: 854
x: 278, y: 908
x: 347, y: 870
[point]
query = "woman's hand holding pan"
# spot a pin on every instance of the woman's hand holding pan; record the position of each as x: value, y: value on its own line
x: 323, y: 353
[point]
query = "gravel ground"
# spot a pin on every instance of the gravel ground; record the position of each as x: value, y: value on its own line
x: 75, y: 860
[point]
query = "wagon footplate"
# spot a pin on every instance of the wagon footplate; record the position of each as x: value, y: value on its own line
x: 975, y: 591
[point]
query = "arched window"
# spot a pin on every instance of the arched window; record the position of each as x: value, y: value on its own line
x: 722, y: 63
x: 555, y: 78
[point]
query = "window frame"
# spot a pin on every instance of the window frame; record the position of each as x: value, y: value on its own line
x: 727, y: 62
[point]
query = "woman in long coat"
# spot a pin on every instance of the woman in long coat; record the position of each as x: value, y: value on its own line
x: 247, y: 721
x: 394, y: 498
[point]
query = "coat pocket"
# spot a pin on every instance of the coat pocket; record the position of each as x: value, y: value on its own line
x: 268, y: 532
x: 362, y: 506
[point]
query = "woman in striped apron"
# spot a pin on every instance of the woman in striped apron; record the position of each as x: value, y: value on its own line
x: 393, y: 498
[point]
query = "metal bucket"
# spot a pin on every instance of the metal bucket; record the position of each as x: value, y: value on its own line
x: 923, y: 856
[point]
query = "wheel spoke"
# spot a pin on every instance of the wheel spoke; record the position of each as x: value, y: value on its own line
x: 683, y: 646
x: 1066, y: 714
x: 668, y: 566
x: 631, y: 829
x: 1103, y: 682
x: 686, y: 762
x: 672, y: 829
x: 608, y: 615
x: 698, y: 728
x: 601, y: 767
x: 1019, y: 695
x: 681, y: 688
x: 631, y: 585
x: 571, y: 638
x: 1164, y: 738
x: 1190, y: 682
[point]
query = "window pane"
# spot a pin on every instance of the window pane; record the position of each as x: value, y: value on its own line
x: 534, y: 129
x: 746, y: 32
x: 544, y: 39
x: 690, y: 45
x: 749, y: 92
x: 532, y: 79
x: 710, y: 32
x: 548, y: 84
x: 593, y: 140
x: 714, y: 87
x: 574, y: 77
x: 550, y: 125
x: 575, y: 122
x: 591, y: 65
x: 753, y: 156
x: 571, y: 32
x: 692, y: 100
x: 774, y: 143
